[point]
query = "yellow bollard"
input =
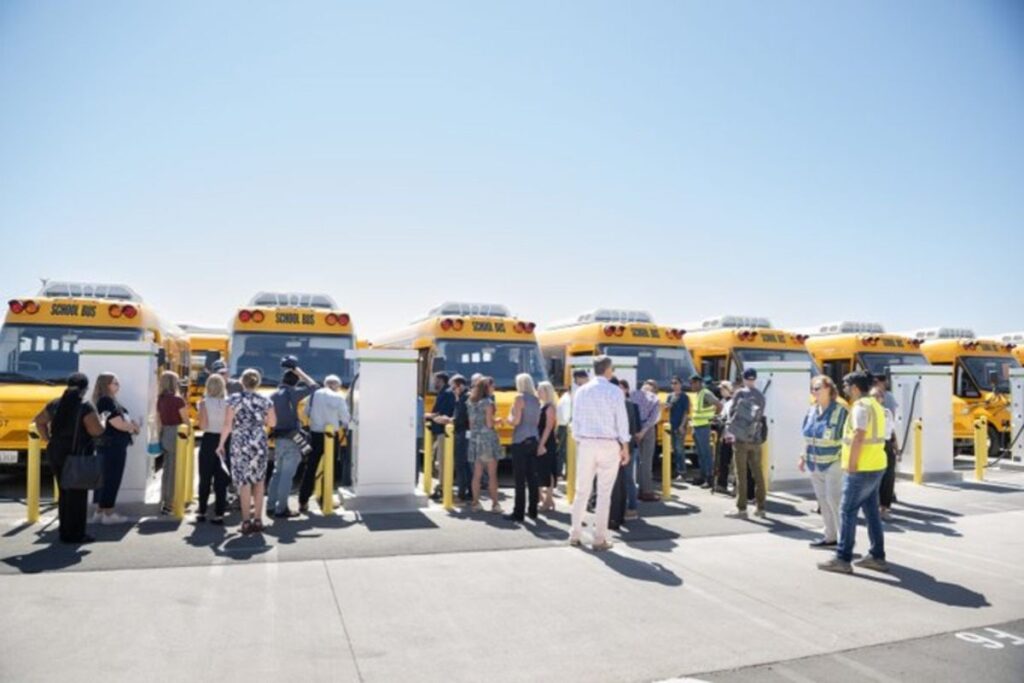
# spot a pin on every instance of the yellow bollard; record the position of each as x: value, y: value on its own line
x: 428, y: 460
x: 32, y: 485
x: 980, y: 447
x: 570, y: 466
x: 327, y: 465
x: 448, y: 468
x: 666, y: 461
x: 178, y: 509
x: 918, y: 451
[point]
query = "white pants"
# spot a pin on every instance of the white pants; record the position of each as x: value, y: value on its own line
x: 600, y: 457
x: 828, y: 489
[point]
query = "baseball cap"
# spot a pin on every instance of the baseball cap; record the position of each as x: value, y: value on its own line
x: 750, y: 373
x: 218, y: 366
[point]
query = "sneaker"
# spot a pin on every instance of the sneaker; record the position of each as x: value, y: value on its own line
x: 836, y: 565
x: 601, y: 546
x: 871, y: 562
x: 738, y: 514
x: 885, y: 514
x: 760, y: 513
x: 97, y: 517
x: 113, y: 518
x: 496, y: 508
x: 632, y: 514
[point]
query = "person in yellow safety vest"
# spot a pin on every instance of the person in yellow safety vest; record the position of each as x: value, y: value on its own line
x: 863, y: 461
x: 703, y: 410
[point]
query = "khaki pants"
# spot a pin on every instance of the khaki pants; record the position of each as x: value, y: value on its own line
x: 748, y: 455
x: 595, y: 457
x: 439, y: 458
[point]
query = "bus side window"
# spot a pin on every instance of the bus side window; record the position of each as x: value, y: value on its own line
x: 965, y: 387
x: 836, y: 370
x: 734, y: 371
x: 555, y: 357
x: 424, y: 371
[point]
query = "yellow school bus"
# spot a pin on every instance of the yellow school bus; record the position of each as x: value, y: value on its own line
x: 310, y: 327
x: 467, y: 338
x: 1014, y: 342
x: 206, y: 345
x: 981, y: 382
x: 843, y: 347
x: 721, y: 346
x: 659, y: 351
x: 39, y: 347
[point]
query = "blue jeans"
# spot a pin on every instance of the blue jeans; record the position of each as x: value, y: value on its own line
x: 630, y: 474
x: 678, y: 452
x: 860, y: 492
x: 463, y: 468
x: 286, y: 462
x: 702, y: 440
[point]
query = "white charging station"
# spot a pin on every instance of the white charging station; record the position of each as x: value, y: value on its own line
x: 384, y: 431
x: 786, y: 386
x: 926, y: 392
x: 624, y: 368
x: 1017, y: 415
x: 135, y: 364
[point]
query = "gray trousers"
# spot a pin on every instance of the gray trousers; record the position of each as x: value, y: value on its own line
x: 647, y: 446
x: 169, y: 446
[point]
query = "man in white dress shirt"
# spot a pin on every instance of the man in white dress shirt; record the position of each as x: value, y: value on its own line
x: 601, y: 429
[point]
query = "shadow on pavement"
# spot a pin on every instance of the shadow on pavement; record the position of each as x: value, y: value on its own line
x: 53, y: 557
x: 928, y: 587
x: 290, y: 530
x: 988, y: 488
x: 654, y: 572
x: 397, y: 521
x: 926, y: 508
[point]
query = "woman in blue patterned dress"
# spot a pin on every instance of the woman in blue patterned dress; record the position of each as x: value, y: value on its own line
x: 247, y: 416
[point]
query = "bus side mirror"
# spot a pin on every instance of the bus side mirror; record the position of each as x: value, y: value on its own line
x: 436, y: 365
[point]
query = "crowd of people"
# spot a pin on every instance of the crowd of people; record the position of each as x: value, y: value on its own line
x: 850, y: 454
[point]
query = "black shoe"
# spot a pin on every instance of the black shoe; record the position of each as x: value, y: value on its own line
x: 287, y: 514
x: 217, y: 520
x: 81, y: 541
x: 201, y: 517
x: 304, y: 508
x: 822, y: 543
x: 532, y: 515
x: 512, y: 518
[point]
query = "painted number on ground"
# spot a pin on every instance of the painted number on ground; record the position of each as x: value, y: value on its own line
x: 990, y: 639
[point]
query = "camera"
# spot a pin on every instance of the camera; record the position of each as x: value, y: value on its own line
x: 289, y: 362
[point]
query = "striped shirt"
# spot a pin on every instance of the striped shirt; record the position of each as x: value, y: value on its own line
x: 599, y: 412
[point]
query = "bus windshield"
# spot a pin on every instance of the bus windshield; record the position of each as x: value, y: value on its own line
x: 990, y: 373
x: 49, y: 353
x: 761, y: 355
x: 319, y: 355
x: 497, y: 359
x: 660, y: 363
x: 878, y: 364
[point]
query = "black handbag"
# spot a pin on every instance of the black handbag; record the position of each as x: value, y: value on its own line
x: 81, y: 471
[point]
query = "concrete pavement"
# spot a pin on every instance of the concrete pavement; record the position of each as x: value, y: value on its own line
x: 434, y: 596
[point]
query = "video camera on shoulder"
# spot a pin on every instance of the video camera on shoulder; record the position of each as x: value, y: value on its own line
x: 289, y: 362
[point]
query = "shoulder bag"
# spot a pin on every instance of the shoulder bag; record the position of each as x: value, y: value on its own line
x: 82, y: 471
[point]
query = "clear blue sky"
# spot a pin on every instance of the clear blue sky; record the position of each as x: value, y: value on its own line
x: 805, y: 161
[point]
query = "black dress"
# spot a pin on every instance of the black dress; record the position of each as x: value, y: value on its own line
x: 547, y: 464
x: 72, y: 507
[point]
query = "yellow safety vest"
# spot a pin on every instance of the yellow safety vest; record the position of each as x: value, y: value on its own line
x: 872, y: 453
x: 704, y: 411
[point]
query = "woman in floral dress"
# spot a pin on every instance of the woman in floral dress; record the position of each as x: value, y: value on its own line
x: 247, y: 416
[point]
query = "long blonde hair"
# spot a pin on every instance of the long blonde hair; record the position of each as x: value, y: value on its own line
x: 524, y: 384
x: 169, y: 382
x: 102, y: 386
x: 215, y: 386
x: 546, y: 393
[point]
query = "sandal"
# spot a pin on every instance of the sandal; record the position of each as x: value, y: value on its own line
x: 476, y: 507
x: 246, y: 527
x: 257, y: 526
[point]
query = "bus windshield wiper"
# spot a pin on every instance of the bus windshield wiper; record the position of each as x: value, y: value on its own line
x: 20, y: 377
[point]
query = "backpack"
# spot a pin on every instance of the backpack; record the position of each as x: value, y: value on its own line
x: 747, y: 422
